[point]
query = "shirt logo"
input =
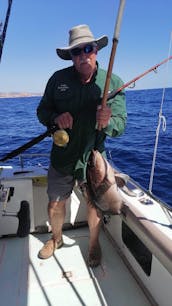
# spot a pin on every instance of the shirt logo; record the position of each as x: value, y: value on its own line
x: 63, y: 87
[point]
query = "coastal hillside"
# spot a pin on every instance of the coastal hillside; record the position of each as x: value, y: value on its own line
x: 19, y: 94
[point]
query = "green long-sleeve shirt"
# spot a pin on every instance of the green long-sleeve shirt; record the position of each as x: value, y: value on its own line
x: 66, y: 93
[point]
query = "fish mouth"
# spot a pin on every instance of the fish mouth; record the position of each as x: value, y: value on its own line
x: 92, y: 159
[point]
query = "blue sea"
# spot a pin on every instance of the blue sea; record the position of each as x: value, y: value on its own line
x: 132, y: 152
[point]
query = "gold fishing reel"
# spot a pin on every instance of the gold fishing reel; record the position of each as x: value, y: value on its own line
x: 61, y: 138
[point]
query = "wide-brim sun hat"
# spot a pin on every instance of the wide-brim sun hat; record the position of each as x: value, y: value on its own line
x: 79, y: 35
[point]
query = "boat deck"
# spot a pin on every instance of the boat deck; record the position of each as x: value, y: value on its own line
x: 65, y: 278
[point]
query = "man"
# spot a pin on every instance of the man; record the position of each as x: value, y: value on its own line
x: 72, y: 101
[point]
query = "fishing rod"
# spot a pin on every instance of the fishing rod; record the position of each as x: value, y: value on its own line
x: 112, y: 55
x: 51, y: 130
x: 29, y: 144
x: 2, y: 37
x: 113, y: 93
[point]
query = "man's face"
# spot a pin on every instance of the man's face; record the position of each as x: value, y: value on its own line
x: 84, y: 58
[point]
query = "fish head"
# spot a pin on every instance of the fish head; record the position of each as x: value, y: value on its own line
x: 96, y: 168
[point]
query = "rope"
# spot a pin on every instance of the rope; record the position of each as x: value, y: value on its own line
x: 161, y: 121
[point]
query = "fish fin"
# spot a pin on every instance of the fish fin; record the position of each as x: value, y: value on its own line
x: 128, y: 191
x: 106, y: 212
x: 121, y: 179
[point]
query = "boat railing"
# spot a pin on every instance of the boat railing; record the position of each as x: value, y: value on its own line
x: 22, y: 157
x: 167, y: 209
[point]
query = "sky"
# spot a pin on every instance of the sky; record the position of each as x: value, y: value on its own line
x: 37, y: 27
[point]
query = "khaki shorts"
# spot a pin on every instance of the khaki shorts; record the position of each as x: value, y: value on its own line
x: 60, y: 185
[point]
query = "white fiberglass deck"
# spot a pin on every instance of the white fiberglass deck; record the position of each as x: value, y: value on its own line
x: 65, y: 278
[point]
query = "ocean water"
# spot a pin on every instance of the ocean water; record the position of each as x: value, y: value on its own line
x: 132, y: 152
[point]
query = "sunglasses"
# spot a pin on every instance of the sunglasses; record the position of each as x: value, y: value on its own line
x: 86, y: 49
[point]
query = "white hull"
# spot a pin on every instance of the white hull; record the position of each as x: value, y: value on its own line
x: 136, y: 266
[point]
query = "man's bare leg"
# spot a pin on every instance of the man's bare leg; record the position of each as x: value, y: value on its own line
x: 56, y: 212
x: 94, y: 222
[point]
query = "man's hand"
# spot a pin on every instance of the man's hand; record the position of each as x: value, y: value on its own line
x: 64, y: 121
x: 103, y: 116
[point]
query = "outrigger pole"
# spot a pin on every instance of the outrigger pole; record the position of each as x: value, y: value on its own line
x: 3, y: 35
x: 51, y: 130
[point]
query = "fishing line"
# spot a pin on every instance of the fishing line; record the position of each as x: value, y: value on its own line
x: 161, y: 121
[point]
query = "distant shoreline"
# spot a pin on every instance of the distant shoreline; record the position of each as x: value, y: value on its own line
x: 18, y: 94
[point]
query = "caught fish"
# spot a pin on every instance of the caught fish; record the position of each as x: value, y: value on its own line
x: 102, y: 184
